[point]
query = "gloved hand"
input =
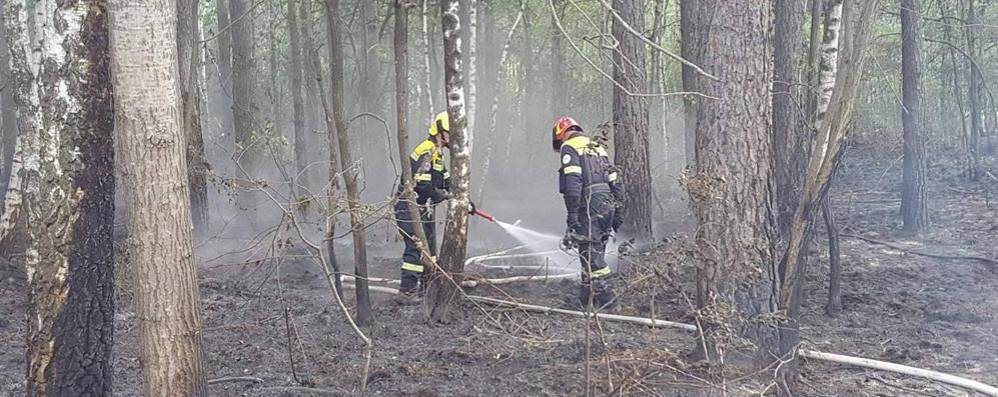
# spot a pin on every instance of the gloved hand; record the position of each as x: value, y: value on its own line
x: 618, y: 220
x: 440, y: 195
x: 570, y: 241
x: 471, y: 208
x: 573, y: 222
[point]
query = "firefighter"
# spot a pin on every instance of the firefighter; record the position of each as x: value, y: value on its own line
x: 432, y: 187
x: 589, y: 185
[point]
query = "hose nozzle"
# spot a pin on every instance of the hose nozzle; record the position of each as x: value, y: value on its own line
x: 475, y: 211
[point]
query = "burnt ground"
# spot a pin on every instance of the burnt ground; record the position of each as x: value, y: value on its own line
x: 902, y: 308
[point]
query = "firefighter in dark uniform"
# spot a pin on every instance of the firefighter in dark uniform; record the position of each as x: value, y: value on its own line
x: 593, y: 197
x: 432, y: 187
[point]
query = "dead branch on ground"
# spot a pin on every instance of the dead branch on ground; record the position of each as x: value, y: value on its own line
x: 991, y: 263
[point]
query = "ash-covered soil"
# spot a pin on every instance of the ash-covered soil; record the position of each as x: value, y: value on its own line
x: 277, y: 321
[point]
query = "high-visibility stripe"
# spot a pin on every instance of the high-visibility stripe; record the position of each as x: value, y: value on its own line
x: 572, y: 169
x: 412, y: 267
x: 613, y: 177
x: 600, y: 273
x: 446, y: 174
x: 423, y: 148
x: 423, y: 177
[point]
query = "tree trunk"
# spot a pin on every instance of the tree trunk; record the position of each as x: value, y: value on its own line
x: 351, y: 171
x: 472, y: 72
x: 813, y: 64
x: 148, y: 127
x: 788, y: 129
x: 189, y: 53
x: 559, y: 97
x: 334, y: 167
x: 834, y: 304
x: 224, y: 43
x: 23, y: 90
x: 730, y: 191
x: 914, y: 207
x: 8, y: 115
x: 70, y: 205
x: 630, y: 120
x: 657, y: 79
x: 974, y: 92
x: 401, y: 46
x: 244, y: 109
x: 955, y: 71
x: 428, y: 42
x: 300, y: 141
x: 692, y: 47
x: 443, y: 289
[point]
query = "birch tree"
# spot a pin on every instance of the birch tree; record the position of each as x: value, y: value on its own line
x: 148, y: 126
x: 8, y: 116
x: 23, y: 89
x: 64, y: 98
x: 443, y: 289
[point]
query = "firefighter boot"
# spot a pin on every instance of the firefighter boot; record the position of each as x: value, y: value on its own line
x: 599, y: 291
x: 409, y: 291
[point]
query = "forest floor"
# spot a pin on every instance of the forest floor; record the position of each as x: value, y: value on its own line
x: 908, y: 309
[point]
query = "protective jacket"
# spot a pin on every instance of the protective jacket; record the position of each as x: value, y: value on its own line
x: 429, y: 170
x: 589, y: 187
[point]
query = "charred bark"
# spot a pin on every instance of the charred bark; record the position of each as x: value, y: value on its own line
x: 730, y: 189
x: 914, y: 207
x: 834, y: 304
x: 789, y: 130
x: 152, y: 147
x: 630, y: 120
x: 70, y: 214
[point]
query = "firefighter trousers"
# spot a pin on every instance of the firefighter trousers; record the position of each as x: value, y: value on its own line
x: 596, y: 218
x: 414, y: 269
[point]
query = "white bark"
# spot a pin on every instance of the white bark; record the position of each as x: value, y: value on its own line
x: 472, y: 71
x: 25, y: 61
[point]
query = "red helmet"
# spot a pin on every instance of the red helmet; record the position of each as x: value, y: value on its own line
x: 562, y: 130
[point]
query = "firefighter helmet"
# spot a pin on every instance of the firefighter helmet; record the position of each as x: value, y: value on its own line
x: 441, y: 123
x: 561, y: 131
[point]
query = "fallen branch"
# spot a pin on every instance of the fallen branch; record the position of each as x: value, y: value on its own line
x: 987, y: 261
x: 902, y: 369
x: 230, y: 379
x: 472, y: 283
x: 603, y: 316
x: 302, y: 389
